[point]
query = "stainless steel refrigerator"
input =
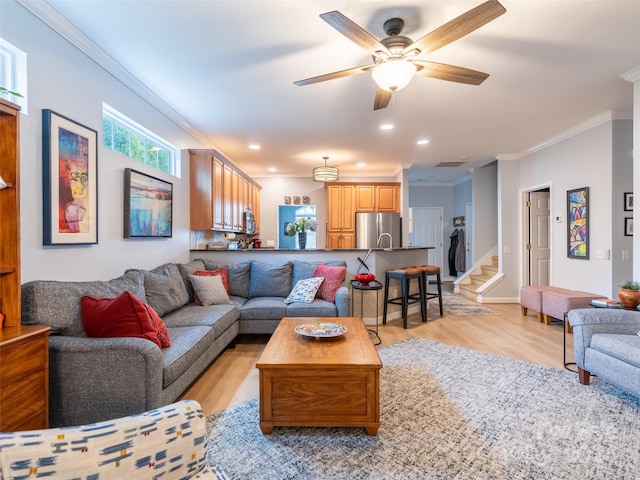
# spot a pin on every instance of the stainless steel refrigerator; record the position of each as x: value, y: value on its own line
x: 369, y: 227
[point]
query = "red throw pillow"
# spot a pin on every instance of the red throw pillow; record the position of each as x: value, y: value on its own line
x: 122, y: 316
x: 161, y: 328
x: 333, y: 277
x: 210, y: 273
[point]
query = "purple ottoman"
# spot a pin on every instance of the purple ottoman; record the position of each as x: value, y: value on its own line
x: 531, y: 298
x: 555, y: 304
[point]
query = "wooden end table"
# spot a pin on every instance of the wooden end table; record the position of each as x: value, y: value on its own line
x: 320, y: 381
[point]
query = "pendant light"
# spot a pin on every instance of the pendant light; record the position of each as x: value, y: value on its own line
x: 326, y: 173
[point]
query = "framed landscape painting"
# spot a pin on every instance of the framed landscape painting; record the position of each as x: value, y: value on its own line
x: 70, y: 181
x: 148, y: 205
x: 578, y: 223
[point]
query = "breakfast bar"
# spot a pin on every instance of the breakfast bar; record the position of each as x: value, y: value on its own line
x: 379, y: 260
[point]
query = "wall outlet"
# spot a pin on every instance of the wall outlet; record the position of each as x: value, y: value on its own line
x: 603, y: 254
x: 625, y: 254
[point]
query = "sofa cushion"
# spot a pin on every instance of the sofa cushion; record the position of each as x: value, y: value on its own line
x: 165, y: 289
x: 220, y: 317
x: 263, y: 308
x: 302, y: 270
x: 304, y: 291
x: 187, y: 269
x: 269, y: 280
x: 57, y: 304
x: 333, y: 277
x: 210, y: 273
x: 210, y: 289
x: 188, y: 344
x: 623, y: 347
x: 317, y: 308
x: 122, y: 316
x: 238, y: 274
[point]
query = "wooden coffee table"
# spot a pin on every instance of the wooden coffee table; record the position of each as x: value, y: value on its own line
x: 307, y: 381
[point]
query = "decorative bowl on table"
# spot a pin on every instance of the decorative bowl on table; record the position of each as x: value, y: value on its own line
x: 365, y: 278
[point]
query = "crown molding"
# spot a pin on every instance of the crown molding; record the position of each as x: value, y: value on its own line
x: 632, y: 75
x: 58, y: 23
x: 573, y: 131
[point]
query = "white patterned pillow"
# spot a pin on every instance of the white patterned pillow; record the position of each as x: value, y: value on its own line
x: 305, y: 290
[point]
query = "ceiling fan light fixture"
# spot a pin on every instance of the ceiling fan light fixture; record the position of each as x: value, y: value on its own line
x: 393, y: 75
x: 326, y: 173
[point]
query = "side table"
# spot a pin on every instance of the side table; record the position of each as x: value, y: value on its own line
x: 375, y: 286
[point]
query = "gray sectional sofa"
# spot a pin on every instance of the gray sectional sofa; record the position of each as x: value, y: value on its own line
x: 95, y: 379
x: 606, y: 343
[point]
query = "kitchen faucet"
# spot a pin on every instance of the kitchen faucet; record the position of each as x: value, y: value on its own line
x: 390, y: 239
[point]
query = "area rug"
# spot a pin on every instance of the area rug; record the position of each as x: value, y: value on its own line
x: 456, y: 305
x: 449, y: 413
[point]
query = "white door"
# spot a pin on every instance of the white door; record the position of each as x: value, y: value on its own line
x: 427, y: 232
x: 539, y: 242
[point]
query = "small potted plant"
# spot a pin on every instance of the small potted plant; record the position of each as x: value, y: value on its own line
x: 301, y: 226
x: 629, y: 293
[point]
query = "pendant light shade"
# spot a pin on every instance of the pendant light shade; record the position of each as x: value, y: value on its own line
x: 326, y: 173
x: 393, y: 75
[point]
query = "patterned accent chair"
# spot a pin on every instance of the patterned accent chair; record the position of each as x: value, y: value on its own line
x: 169, y: 443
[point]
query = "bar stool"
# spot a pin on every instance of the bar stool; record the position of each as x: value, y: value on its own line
x: 405, y: 275
x: 427, y: 271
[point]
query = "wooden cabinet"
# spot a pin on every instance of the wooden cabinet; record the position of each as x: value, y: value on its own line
x: 10, y: 212
x: 345, y: 199
x: 24, y: 350
x: 219, y: 193
x: 341, y: 216
x: 379, y: 197
x: 24, y: 376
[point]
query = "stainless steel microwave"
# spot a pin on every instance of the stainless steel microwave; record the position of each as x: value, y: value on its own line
x: 249, y: 223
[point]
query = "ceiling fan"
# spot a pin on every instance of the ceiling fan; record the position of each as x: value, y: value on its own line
x: 395, y: 58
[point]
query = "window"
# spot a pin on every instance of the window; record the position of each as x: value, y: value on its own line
x: 123, y: 135
x: 13, y: 73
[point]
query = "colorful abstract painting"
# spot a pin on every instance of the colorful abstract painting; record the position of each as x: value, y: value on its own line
x: 70, y: 181
x: 148, y: 205
x: 578, y: 223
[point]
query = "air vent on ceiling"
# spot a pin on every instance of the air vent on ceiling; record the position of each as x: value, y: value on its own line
x: 450, y: 164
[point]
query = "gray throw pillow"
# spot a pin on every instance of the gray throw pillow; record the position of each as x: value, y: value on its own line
x: 238, y: 275
x: 165, y: 289
x: 269, y: 280
x: 210, y: 290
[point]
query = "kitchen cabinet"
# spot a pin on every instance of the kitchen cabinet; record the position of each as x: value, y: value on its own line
x: 219, y: 193
x: 341, y: 215
x: 378, y: 197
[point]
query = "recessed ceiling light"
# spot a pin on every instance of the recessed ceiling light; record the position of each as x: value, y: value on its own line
x: 272, y: 169
x: 422, y: 142
x: 254, y: 146
x: 361, y: 164
x: 386, y: 126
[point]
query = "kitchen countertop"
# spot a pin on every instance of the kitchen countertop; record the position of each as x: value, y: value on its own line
x: 312, y: 250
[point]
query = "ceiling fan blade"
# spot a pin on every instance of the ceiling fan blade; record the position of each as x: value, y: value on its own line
x: 451, y: 73
x: 458, y: 27
x: 354, y: 32
x: 383, y: 97
x: 331, y: 76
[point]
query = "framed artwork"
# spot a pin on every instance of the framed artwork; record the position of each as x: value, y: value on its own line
x: 628, y: 226
x: 306, y: 200
x: 287, y: 200
x: 578, y: 223
x: 296, y: 200
x: 148, y: 205
x: 70, y: 181
x: 628, y: 201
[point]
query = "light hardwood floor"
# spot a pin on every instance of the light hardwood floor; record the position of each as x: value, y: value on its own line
x: 232, y: 378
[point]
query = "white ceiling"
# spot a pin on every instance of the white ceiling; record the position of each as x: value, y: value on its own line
x: 227, y: 68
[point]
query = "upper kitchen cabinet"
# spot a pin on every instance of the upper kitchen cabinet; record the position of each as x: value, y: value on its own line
x: 377, y: 197
x: 219, y: 193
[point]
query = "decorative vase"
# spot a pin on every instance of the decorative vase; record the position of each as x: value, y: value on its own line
x: 629, y: 298
x: 302, y: 240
